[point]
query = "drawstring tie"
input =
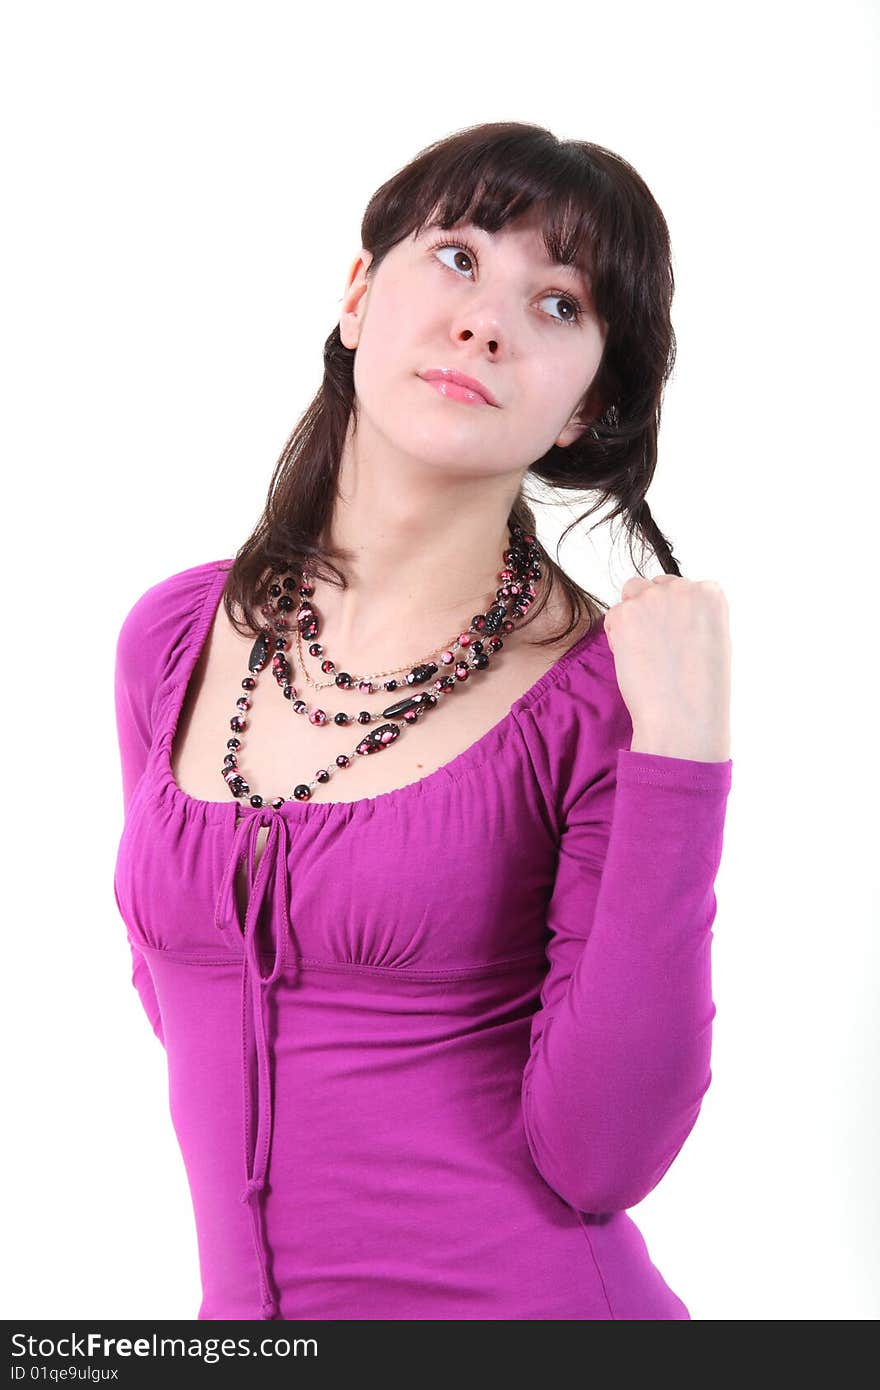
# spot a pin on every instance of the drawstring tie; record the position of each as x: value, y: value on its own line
x: 254, y: 993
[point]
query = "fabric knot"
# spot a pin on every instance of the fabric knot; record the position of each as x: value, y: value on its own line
x: 254, y: 1185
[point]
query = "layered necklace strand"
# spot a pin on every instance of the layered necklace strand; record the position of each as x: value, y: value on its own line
x: 516, y: 592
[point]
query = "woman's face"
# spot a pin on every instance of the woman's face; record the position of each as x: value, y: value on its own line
x: 498, y: 312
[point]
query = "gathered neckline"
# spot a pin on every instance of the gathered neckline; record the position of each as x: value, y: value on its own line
x: 470, y: 758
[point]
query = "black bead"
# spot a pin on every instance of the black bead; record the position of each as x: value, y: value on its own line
x: 233, y: 743
x: 302, y: 792
x: 322, y: 775
x: 286, y: 603
x: 340, y: 718
x: 249, y: 683
x: 375, y: 741
x: 494, y: 618
x: 390, y: 685
x: 259, y: 653
x: 256, y: 800
x: 365, y: 717
x: 422, y: 673
x: 401, y: 707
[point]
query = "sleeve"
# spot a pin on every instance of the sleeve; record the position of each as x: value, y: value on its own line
x: 132, y: 700
x: 143, y: 983
x: 150, y: 647
x: 619, y: 1055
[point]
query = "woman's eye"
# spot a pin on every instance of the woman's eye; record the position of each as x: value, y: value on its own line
x: 460, y: 252
x: 574, y: 309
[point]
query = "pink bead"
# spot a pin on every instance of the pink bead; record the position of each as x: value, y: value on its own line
x: 446, y: 658
x: 317, y: 716
x: 464, y: 639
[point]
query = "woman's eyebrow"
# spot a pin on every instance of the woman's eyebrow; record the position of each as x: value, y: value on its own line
x: 574, y: 267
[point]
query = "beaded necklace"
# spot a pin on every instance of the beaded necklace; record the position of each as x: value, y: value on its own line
x: 521, y: 568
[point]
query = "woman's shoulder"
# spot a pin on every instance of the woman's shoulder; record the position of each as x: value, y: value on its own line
x: 176, y: 589
x: 574, y: 719
x: 578, y: 669
x: 157, y: 624
x: 174, y: 597
x: 584, y: 649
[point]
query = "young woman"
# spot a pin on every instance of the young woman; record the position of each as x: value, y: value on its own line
x: 420, y: 838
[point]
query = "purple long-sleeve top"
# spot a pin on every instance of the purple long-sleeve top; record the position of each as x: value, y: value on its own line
x: 463, y: 1026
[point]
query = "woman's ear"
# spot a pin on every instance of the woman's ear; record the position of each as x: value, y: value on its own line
x: 572, y: 431
x: 354, y: 299
x: 581, y: 419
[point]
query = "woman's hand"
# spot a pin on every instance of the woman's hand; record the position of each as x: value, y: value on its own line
x: 671, y: 646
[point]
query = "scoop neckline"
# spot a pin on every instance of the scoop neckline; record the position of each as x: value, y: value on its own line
x: 470, y: 758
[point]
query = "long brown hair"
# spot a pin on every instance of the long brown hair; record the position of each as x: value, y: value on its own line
x: 596, y: 212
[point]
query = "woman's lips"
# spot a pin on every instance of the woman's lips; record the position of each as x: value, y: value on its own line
x: 454, y: 391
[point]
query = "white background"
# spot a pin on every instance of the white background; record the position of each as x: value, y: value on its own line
x: 183, y: 191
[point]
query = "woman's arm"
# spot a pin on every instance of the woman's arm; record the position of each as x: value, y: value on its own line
x: 620, y: 1050
x: 132, y: 699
